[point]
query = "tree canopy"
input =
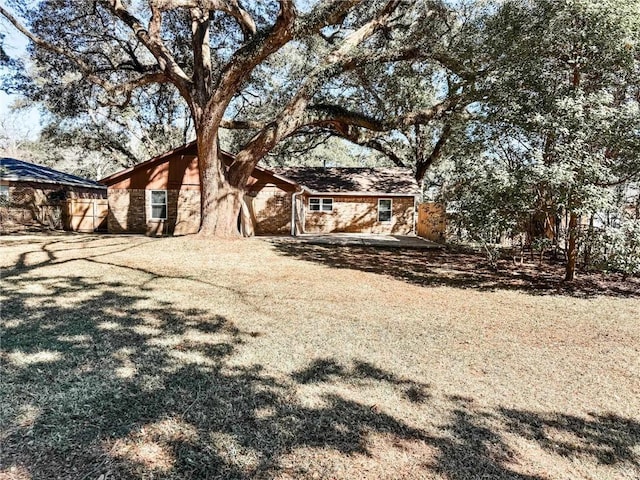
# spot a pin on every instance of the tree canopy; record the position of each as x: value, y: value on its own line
x: 274, y: 68
x: 558, y: 125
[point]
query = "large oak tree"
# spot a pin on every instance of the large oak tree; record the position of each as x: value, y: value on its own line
x: 218, y: 54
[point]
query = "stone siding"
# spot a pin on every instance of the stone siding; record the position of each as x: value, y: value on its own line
x: 130, y: 211
x: 360, y: 215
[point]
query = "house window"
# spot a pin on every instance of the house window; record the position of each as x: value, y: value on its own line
x: 4, y: 193
x: 158, y: 204
x: 321, y: 204
x: 384, y: 210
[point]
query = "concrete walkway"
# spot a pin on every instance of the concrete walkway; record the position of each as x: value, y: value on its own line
x: 363, y: 240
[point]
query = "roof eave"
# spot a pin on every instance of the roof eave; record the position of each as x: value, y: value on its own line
x: 51, y: 182
x: 361, y: 194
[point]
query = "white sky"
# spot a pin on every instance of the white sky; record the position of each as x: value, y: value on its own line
x: 26, y: 121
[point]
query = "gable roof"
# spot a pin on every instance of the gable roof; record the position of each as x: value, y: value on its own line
x: 393, y: 181
x: 14, y: 170
x: 186, y: 149
x: 356, y: 180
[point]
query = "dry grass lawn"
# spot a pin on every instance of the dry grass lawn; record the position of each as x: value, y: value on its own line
x: 181, y: 358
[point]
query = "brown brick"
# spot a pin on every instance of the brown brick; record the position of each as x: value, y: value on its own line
x: 360, y: 215
x: 129, y: 211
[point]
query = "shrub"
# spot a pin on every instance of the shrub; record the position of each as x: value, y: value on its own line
x: 616, y: 249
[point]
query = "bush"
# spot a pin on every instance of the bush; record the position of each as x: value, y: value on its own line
x: 616, y: 249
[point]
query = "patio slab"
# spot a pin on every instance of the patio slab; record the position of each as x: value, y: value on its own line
x: 363, y: 240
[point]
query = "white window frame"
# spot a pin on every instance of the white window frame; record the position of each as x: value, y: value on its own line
x: 5, y: 194
x: 321, y: 203
x: 390, y: 210
x: 152, y: 204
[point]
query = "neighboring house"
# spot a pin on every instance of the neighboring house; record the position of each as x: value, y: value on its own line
x: 34, y: 196
x: 162, y: 196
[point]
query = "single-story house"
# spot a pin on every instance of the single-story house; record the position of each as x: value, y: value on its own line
x: 35, y: 196
x: 162, y: 196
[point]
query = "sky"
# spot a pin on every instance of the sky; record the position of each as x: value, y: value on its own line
x: 27, y: 122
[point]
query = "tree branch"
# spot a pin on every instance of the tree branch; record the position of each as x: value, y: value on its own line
x: 452, y: 64
x: 153, y: 42
x: 253, y: 53
x: 423, y: 166
x: 242, y: 124
x: 324, y: 14
x: 376, y: 144
x: 287, y: 27
x: 294, y: 115
x: 231, y: 7
x: 88, y: 71
x: 200, y: 24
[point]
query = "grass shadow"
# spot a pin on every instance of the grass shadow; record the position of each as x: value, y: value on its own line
x: 101, y: 377
x: 458, y: 269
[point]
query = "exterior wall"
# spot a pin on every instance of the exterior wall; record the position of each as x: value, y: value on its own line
x: 86, y: 214
x: 267, y: 209
x: 360, y: 215
x: 178, y: 172
x: 270, y: 211
x: 432, y: 222
x: 126, y: 211
x: 129, y: 211
x: 35, y: 205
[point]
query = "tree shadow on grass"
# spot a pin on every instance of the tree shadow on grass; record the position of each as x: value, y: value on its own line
x: 100, y: 378
x: 324, y: 370
x: 96, y: 381
x: 608, y: 438
x: 474, y: 443
x: 459, y: 270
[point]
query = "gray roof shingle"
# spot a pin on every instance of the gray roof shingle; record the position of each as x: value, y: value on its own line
x: 19, y: 171
x: 364, y: 180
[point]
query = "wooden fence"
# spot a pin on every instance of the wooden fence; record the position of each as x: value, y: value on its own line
x: 432, y: 222
x: 86, y: 214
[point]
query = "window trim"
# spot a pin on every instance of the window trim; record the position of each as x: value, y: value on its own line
x: 152, y: 204
x: 321, y: 202
x: 390, y: 210
x: 5, y: 193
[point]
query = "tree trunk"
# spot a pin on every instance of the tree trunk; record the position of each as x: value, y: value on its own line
x: 587, y: 250
x: 221, y: 201
x: 572, y: 248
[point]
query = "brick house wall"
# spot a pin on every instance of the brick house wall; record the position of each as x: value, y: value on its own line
x: 267, y: 204
x: 270, y: 211
x: 130, y: 211
x: 359, y: 214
